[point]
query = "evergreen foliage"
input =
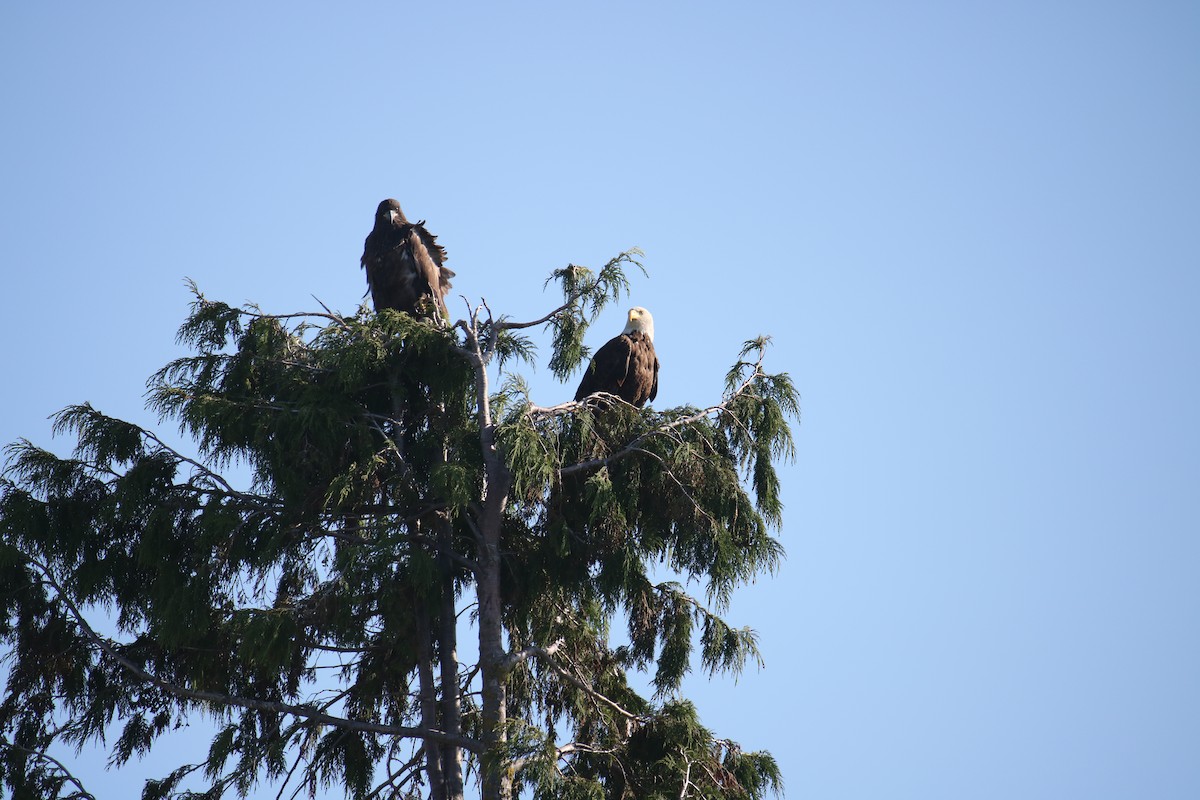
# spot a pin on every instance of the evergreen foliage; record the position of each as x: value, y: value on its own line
x: 395, y: 501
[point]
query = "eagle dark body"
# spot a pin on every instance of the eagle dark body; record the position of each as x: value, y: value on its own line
x: 625, y: 366
x: 404, y: 263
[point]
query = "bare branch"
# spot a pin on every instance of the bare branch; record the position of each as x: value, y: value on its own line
x: 580, y: 747
x: 336, y: 317
x: 512, y: 659
x: 505, y: 325
x: 302, y: 314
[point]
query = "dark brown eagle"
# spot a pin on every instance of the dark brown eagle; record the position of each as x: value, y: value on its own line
x: 404, y: 263
x: 626, y: 365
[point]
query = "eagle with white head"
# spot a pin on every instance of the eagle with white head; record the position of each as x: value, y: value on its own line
x: 626, y: 365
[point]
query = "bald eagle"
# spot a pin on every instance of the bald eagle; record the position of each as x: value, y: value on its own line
x: 404, y: 263
x: 626, y: 365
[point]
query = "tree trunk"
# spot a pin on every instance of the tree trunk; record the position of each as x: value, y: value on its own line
x: 428, y: 695
x: 448, y: 656
x: 497, y: 775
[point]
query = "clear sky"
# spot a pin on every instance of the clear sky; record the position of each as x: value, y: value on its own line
x: 973, y: 230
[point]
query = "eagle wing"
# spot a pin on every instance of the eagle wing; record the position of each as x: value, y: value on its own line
x: 389, y: 278
x: 404, y: 264
x: 654, y: 386
x: 427, y: 256
x: 641, y: 374
x: 625, y: 366
x: 609, y: 368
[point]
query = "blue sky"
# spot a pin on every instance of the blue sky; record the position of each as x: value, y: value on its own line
x: 971, y: 230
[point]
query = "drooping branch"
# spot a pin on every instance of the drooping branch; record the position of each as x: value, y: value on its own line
x: 634, y: 445
x: 217, y: 698
x: 208, y: 473
x: 547, y: 657
x: 58, y: 765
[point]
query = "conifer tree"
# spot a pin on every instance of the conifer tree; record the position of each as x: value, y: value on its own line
x: 384, y: 570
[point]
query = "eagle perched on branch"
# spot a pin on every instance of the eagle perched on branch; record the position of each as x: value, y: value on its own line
x: 626, y: 365
x: 404, y: 263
